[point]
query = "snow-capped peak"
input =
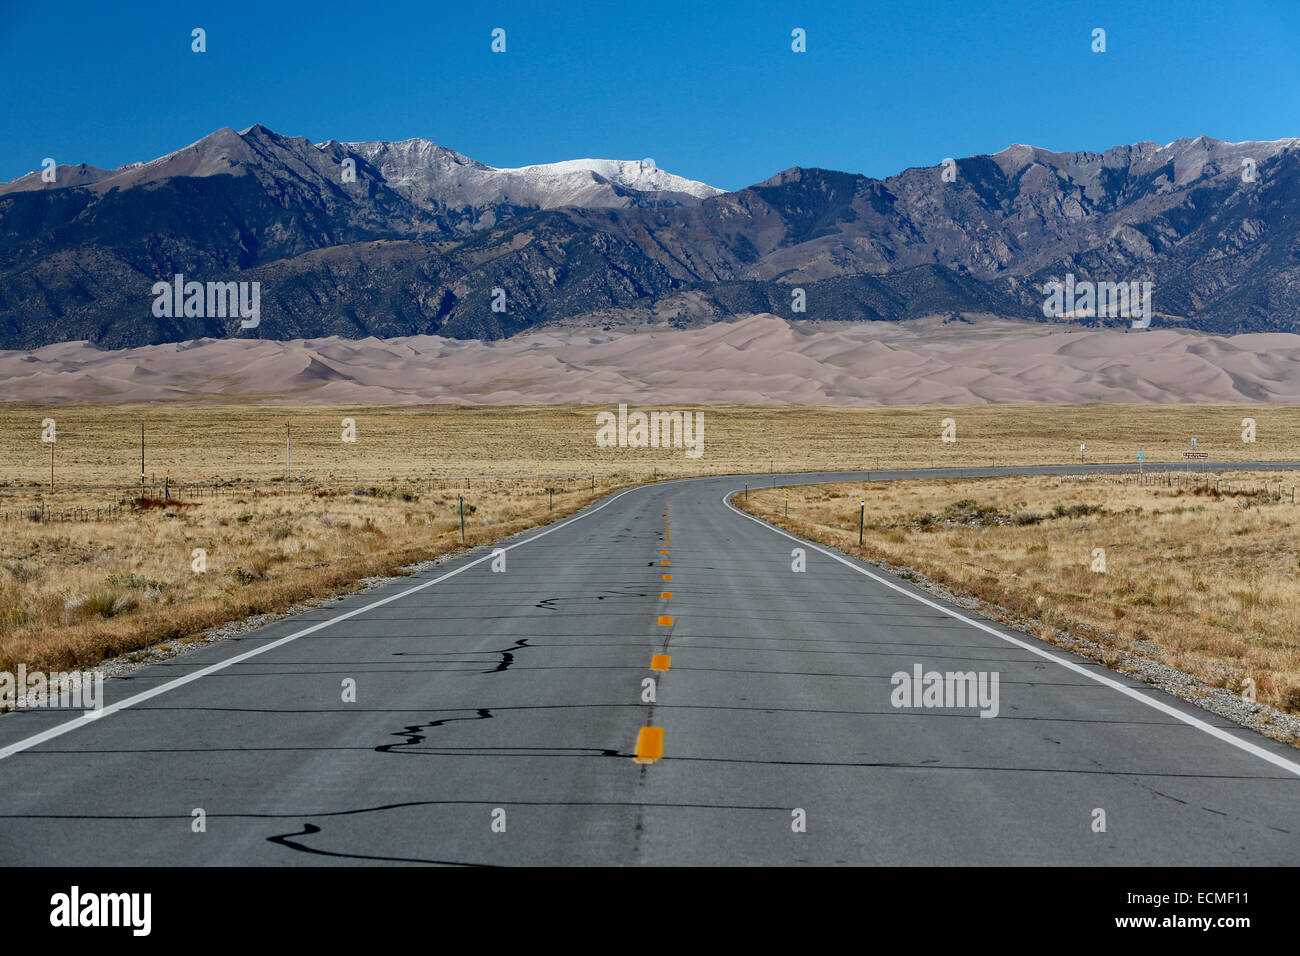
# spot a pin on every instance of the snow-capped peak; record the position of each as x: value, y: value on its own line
x: 639, y: 174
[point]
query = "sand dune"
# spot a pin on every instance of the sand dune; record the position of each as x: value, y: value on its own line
x: 760, y: 359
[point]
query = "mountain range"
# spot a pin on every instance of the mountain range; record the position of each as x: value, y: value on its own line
x: 392, y: 239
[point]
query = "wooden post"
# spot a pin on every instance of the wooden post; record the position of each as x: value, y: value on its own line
x: 462, y: 519
x: 862, y: 518
x: 51, y: 466
x: 288, y: 461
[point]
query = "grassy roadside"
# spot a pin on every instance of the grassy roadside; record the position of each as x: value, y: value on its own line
x: 73, y: 594
x: 1204, y: 579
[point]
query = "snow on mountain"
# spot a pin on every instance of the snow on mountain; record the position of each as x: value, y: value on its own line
x: 642, y: 175
x: 424, y: 171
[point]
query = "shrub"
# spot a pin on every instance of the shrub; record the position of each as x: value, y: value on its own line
x: 242, y: 575
x: 23, y: 570
x: 102, y: 602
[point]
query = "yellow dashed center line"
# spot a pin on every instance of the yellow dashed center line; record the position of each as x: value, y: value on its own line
x: 650, y: 740
x: 649, y: 744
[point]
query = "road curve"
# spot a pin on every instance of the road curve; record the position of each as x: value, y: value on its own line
x: 498, y: 713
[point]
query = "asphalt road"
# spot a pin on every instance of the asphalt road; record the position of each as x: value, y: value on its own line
x: 498, y: 713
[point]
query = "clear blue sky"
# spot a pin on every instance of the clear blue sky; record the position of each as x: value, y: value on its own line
x: 709, y: 90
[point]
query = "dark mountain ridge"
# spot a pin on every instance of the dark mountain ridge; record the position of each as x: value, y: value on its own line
x: 418, y: 239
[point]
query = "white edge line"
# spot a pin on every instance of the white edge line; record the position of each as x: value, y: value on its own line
x: 94, y: 715
x: 1275, y: 759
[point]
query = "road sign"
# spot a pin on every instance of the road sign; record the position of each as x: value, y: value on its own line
x: 1196, y: 454
x: 1139, y: 456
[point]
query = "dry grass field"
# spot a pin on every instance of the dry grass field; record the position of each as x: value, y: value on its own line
x: 1202, y: 576
x: 75, y: 592
x: 101, y: 444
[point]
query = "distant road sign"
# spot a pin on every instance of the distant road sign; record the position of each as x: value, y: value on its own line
x: 1196, y: 454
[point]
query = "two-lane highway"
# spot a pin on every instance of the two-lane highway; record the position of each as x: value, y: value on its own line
x: 497, y: 716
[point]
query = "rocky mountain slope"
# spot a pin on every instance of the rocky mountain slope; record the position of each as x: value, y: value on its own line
x: 420, y: 239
